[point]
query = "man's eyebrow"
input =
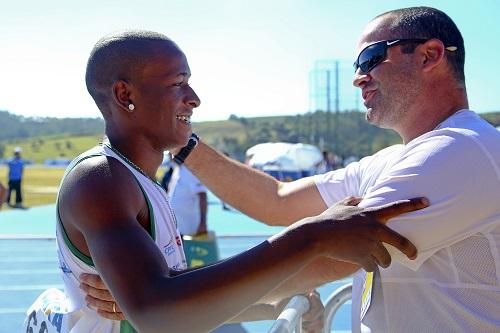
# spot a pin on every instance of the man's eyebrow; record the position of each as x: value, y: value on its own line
x: 183, y: 74
x: 172, y: 75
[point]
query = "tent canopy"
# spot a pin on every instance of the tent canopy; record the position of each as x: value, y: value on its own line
x: 284, y: 156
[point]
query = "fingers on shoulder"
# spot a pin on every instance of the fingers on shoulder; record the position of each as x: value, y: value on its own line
x: 393, y: 209
x: 403, y: 244
x: 351, y: 201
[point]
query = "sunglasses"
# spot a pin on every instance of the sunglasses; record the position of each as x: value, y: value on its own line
x: 375, y: 53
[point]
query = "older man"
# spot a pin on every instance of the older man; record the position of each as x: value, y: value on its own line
x: 410, y: 68
x: 114, y: 218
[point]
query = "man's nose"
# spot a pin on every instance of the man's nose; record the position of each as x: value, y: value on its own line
x: 360, y: 79
x: 192, y: 99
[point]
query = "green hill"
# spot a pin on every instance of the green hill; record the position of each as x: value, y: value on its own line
x: 19, y: 127
x: 345, y: 134
x: 40, y: 149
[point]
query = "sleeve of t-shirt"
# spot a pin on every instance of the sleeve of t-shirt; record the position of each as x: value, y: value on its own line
x: 454, y: 173
x: 336, y: 185
x: 350, y: 181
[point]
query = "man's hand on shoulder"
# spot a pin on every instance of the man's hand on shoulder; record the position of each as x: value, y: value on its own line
x: 356, y: 234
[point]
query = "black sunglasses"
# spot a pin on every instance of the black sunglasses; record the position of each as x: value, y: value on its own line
x: 375, y: 53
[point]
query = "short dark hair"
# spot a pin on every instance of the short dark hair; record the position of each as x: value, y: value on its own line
x: 117, y: 56
x: 426, y: 23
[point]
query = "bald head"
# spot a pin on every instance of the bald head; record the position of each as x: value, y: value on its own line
x: 120, y: 56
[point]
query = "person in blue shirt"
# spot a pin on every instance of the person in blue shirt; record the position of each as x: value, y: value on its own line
x: 16, y: 166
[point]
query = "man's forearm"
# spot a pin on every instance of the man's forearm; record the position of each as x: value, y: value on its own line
x: 320, y: 271
x: 259, y: 311
x: 226, y: 178
x: 251, y: 191
x: 228, y: 287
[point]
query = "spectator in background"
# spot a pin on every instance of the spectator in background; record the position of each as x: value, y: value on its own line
x: 16, y: 166
x: 188, y: 197
x: 327, y: 164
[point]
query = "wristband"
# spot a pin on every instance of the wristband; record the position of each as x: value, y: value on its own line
x: 181, y: 156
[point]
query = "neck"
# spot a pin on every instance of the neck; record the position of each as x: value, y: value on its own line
x: 139, y: 152
x: 428, y: 114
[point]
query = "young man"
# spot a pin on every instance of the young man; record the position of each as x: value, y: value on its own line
x: 114, y: 218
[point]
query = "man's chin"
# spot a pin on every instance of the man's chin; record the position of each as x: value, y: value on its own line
x: 183, y: 143
x: 175, y: 146
x: 370, y: 115
x: 373, y: 117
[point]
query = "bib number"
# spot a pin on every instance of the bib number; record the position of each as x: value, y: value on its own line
x: 49, y: 324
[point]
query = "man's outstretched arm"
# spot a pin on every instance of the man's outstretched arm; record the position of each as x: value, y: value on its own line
x: 253, y: 192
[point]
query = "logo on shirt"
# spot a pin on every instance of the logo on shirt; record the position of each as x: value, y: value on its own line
x: 64, y: 267
x: 169, y: 249
x: 177, y: 267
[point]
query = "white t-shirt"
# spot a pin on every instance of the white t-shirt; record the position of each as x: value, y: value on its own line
x: 185, y: 200
x: 454, y: 284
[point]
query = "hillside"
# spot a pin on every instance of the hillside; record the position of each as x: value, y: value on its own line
x: 42, y: 148
x: 19, y: 127
x: 345, y: 134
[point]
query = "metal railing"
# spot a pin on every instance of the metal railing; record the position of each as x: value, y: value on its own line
x: 333, y: 304
x: 290, y: 319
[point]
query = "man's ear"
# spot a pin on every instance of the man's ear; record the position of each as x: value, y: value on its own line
x: 122, y: 95
x: 433, y: 53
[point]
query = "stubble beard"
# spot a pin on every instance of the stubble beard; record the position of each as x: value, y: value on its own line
x: 388, y: 115
x: 383, y: 113
x: 390, y: 110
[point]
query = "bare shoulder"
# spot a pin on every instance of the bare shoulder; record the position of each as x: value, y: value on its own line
x: 97, y: 192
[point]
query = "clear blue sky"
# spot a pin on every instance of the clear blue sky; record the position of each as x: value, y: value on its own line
x: 248, y: 58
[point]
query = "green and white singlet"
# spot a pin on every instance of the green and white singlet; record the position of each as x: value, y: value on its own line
x: 67, y: 312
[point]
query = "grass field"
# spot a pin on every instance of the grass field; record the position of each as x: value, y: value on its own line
x: 52, y: 147
x: 40, y: 184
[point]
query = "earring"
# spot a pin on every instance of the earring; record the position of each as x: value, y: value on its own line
x: 131, y: 107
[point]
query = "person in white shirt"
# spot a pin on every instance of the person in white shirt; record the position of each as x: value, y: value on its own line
x: 188, y: 197
x: 410, y: 68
